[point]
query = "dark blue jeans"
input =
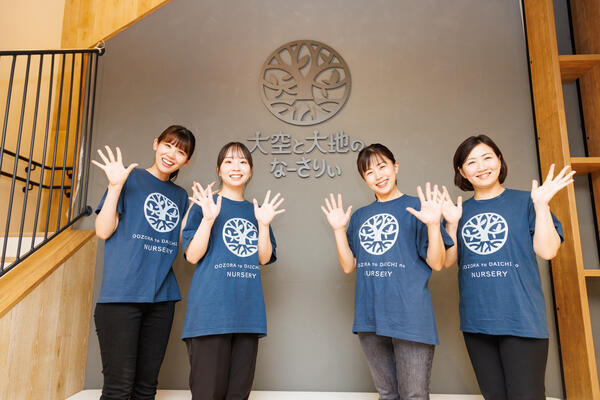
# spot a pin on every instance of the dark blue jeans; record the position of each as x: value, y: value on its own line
x: 400, y: 369
x: 133, y: 340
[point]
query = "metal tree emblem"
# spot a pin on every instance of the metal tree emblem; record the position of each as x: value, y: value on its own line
x: 240, y: 237
x: 485, y: 233
x: 304, y: 82
x: 161, y: 213
x: 378, y: 234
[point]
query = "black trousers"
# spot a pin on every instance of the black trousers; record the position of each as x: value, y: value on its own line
x: 222, y: 366
x: 133, y: 340
x: 508, y: 367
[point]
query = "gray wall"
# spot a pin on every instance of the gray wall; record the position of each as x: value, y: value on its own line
x: 425, y: 75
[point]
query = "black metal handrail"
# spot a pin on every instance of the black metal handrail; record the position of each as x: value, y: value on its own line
x: 65, y: 87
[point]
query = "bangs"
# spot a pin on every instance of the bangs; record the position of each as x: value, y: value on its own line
x: 179, y: 141
x: 234, y: 149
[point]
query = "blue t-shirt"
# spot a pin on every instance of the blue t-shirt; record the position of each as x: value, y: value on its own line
x: 390, y: 245
x: 498, y: 275
x: 139, y: 254
x: 226, y: 291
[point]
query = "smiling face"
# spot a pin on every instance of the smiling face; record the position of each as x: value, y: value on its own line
x: 235, y: 169
x: 380, y: 175
x: 482, y: 167
x: 168, y: 158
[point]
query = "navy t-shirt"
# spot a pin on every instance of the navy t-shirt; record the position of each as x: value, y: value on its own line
x: 390, y: 245
x: 226, y: 291
x: 498, y: 275
x: 139, y: 254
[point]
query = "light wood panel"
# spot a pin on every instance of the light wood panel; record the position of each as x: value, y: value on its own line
x: 585, y: 165
x: 572, y: 308
x: 86, y: 23
x: 573, y: 67
x: 21, y: 280
x: 44, y: 338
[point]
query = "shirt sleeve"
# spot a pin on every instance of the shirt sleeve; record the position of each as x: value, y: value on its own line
x: 120, y: 202
x: 273, y: 245
x: 350, y: 232
x: 191, y: 225
x: 531, y: 216
x: 423, y: 239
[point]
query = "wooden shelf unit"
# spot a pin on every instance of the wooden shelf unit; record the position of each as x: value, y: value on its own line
x: 575, y: 66
x: 548, y: 72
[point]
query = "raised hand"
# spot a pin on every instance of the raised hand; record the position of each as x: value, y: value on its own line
x: 113, y: 167
x: 541, y: 195
x: 203, y: 197
x: 451, y: 212
x: 336, y: 216
x: 431, y: 205
x: 268, y: 210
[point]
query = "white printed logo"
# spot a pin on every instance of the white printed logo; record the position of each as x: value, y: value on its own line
x: 240, y: 237
x: 485, y: 233
x: 378, y: 234
x: 161, y: 213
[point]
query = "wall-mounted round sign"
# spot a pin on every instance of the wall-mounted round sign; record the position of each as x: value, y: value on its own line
x: 304, y: 82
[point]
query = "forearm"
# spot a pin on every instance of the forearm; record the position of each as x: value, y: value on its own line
x: 265, y: 249
x: 452, y: 252
x: 436, y: 253
x: 546, y: 240
x: 107, y: 219
x: 199, y: 243
x: 344, y: 253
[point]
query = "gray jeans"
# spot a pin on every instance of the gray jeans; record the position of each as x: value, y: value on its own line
x: 401, y: 369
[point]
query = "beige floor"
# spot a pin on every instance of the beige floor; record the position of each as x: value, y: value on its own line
x: 185, y: 395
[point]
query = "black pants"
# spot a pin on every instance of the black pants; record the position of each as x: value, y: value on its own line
x: 508, y: 367
x: 133, y: 339
x: 222, y: 366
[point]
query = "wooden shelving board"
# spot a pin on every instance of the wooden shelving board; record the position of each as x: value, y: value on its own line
x: 585, y: 165
x: 574, y: 66
x: 591, y: 273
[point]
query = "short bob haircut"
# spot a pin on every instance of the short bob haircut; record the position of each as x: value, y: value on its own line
x: 180, y: 137
x: 372, y: 153
x: 463, y: 151
x: 236, y: 148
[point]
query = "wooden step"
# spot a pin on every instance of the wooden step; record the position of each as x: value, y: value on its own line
x: 585, y: 165
x: 591, y: 273
x: 574, y: 66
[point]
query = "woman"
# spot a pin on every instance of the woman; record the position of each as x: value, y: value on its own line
x: 498, y: 233
x: 139, y: 217
x: 228, y: 239
x: 393, y: 248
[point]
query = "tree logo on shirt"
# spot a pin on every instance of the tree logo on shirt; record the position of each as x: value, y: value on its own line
x: 485, y: 233
x: 378, y: 234
x: 240, y: 237
x: 161, y: 213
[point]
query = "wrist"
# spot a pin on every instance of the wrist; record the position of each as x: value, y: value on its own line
x: 115, y: 186
x: 341, y: 230
x: 541, y: 206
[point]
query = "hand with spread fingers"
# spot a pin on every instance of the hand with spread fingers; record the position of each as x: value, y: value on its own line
x: 450, y: 211
x: 268, y: 210
x: 113, y: 167
x: 336, y: 216
x: 203, y: 197
x: 431, y: 205
x: 541, y: 195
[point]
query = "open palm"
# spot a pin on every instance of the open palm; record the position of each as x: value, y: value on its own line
x: 113, y: 166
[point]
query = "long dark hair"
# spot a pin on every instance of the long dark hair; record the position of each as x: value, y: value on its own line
x: 463, y: 151
x: 180, y: 137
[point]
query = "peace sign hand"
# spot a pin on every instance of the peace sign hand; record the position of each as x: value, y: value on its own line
x: 268, y: 210
x: 113, y: 167
x: 204, y: 199
x: 431, y: 205
x: 451, y: 212
x: 336, y: 216
x: 541, y: 195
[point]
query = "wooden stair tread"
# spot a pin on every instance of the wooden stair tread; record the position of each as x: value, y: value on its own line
x: 574, y: 66
x: 585, y: 165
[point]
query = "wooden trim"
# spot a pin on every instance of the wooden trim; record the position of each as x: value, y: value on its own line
x: 585, y: 165
x: 21, y: 280
x: 575, y: 66
x: 589, y: 273
x: 570, y: 291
